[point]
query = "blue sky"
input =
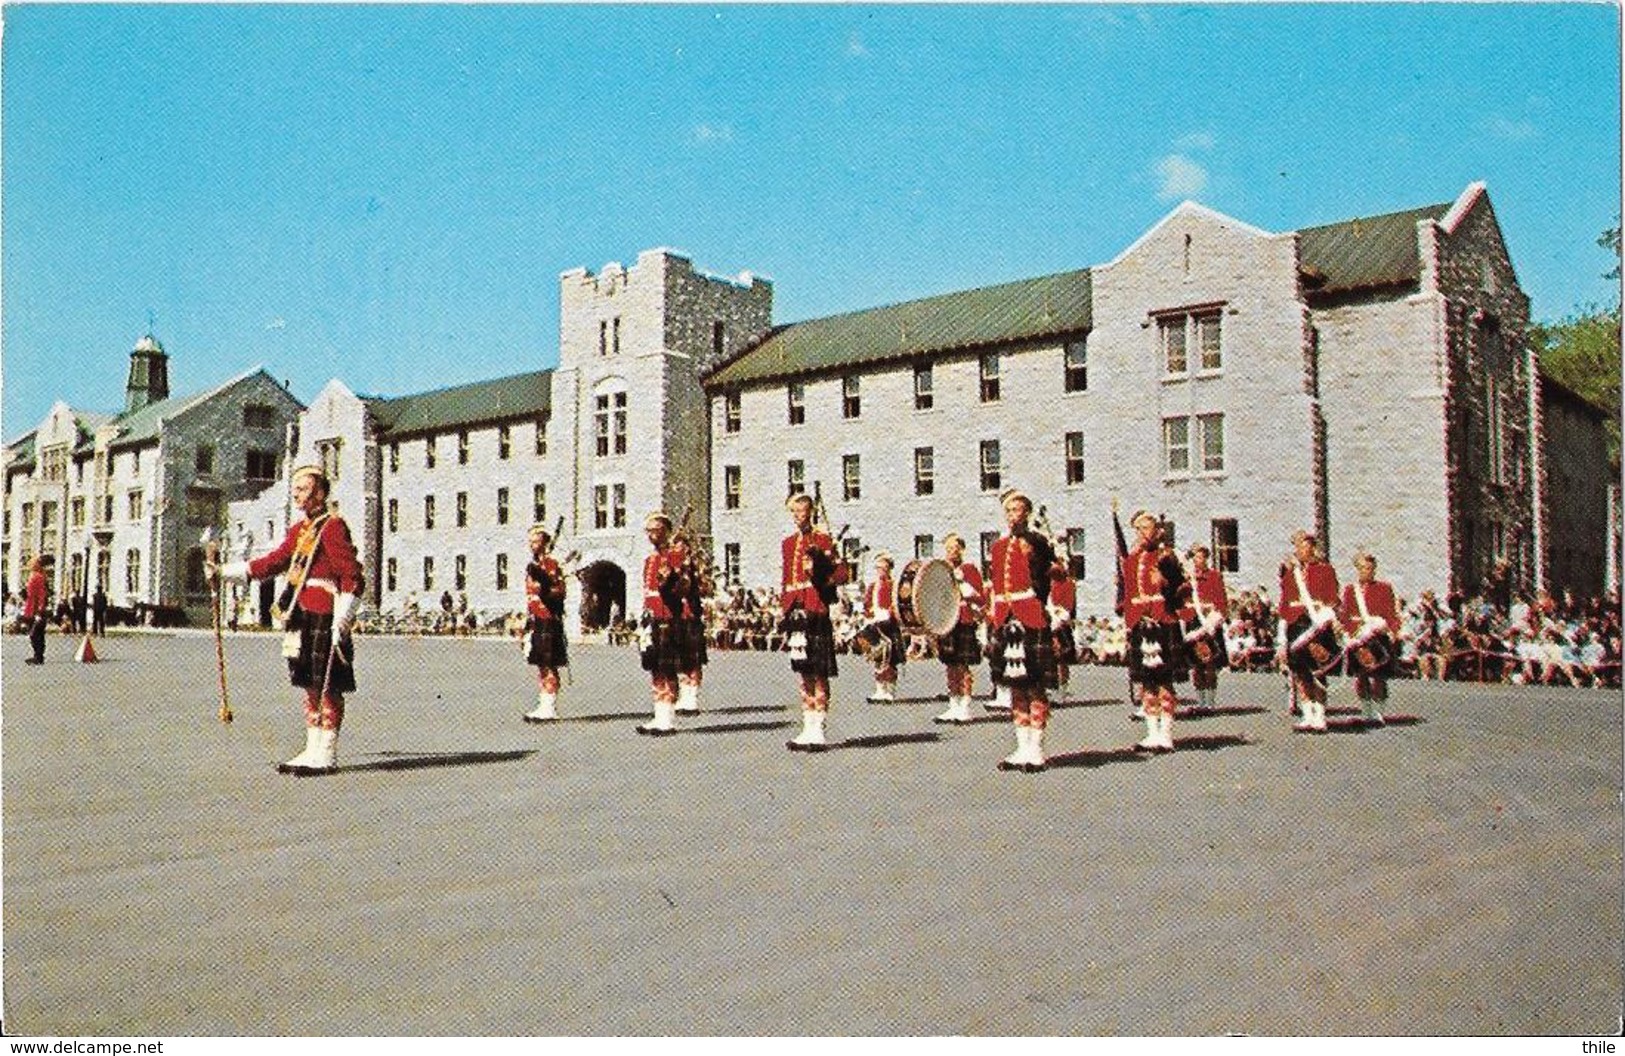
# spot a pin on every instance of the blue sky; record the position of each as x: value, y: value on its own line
x: 388, y: 194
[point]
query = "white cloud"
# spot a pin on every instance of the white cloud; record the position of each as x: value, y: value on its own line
x: 1195, y: 141
x: 709, y: 133
x: 1509, y: 129
x: 1181, y: 177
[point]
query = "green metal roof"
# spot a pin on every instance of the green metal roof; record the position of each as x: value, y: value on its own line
x: 517, y: 396
x: 992, y: 315
x: 1365, y: 252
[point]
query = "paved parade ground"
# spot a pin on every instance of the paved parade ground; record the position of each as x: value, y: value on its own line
x: 1458, y: 872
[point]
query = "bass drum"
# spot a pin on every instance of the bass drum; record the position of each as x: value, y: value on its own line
x: 927, y: 597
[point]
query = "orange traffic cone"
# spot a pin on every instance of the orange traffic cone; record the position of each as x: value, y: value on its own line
x: 87, y: 652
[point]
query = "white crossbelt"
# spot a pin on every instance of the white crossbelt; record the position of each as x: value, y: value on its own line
x: 323, y: 584
x: 1020, y: 595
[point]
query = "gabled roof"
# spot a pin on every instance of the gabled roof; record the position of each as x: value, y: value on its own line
x: 991, y: 315
x: 517, y: 396
x: 142, y: 425
x: 1366, y: 252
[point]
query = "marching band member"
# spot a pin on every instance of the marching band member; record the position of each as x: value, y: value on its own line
x: 1020, y: 646
x: 696, y: 584
x: 810, y: 573
x: 1207, y: 651
x: 1370, y: 619
x: 1156, y: 661
x: 880, y: 610
x: 323, y: 580
x: 671, y: 652
x: 1305, y: 637
x: 546, y: 648
x: 959, y: 649
x: 1062, y: 608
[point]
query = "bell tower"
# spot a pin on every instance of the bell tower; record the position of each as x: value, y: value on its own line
x: 149, y: 375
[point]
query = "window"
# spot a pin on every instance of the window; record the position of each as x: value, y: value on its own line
x: 327, y: 453
x: 504, y: 442
x: 459, y: 572
x: 731, y: 413
x: 600, y: 506
x: 1226, y: 545
x: 851, y: 478
x: 462, y: 447
x: 259, y: 416
x: 76, y: 513
x: 730, y: 562
x: 394, y: 515
x: 990, y: 465
x: 428, y: 512
x: 1074, y: 459
x: 541, y: 432
x: 196, y: 581
x: 132, y: 509
x: 1176, y: 445
x: 502, y: 505
x: 609, y: 423
x: 47, y: 516
x: 1077, y: 550
x: 1211, y: 429
x: 617, y: 498
x: 428, y: 452
x: 135, y: 462
x: 1076, y: 358
x: 104, y: 569
x: 107, y: 509
x: 990, y: 377
x: 428, y: 573
x: 795, y: 476
x: 132, y: 571
x: 392, y: 571
x: 259, y: 467
x: 538, y: 503
x: 203, y: 460
x: 615, y: 336
x: 28, y: 516
x: 731, y: 487
x: 922, y: 546
x: 462, y: 509
x: 395, y: 456
x: 795, y: 395
x: 719, y: 334
x: 851, y: 399
x: 603, y: 337
x: 988, y: 539
x: 851, y: 550
x: 1207, y: 340
x: 924, y: 396
x: 1171, y: 340
x: 925, y: 472
x: 502, y: 572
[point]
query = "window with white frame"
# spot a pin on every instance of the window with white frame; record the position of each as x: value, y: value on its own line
x: 393, y: 515
x: 732, y: 487
x: 851, y: 478
x: 730, y: 562
x: 989, y: 377
x: 462, y: 509
x: 502, y: 505
x: 428, y: 512
x: 392, y: 570
x: 428, y: 573
x: 1077, y: 552
x: 795, y: 398
x: 1074, y: 458
x: 732, y: 413
x: 615, y: 336
x: 924, y: 394
x: 504, y: 442
x: 1076, y: 370
x: 501, y: 579
x: 925, y: 470
x: 538, y: 504
x: 1211, y: 429
x: 459, y: 572
x: 795, y: 476
x: 600, y: 506
x: 132, y: 571
x: 429, y: 451
x: 542, y: 423
x: 132, y: 510
x: 851, y: 396
x: 1226, y: 544
x: 1171, y: 344
x: 395, y: 456
x: 327, y: 453
x: 990, y: 465
x: 923, y: 545
x: 617, y: 505
x: 1176, y: 445
x: 1207, y: 326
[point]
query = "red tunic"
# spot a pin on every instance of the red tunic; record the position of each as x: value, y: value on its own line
x: 34, y: 595
x: 796, y: 576
x: 1210, y: 591
x: 1013, y: 594
x: 656, y: 567
x: 1379, y: 602
x: 878, y: 596
x: 969, y: 576
x: 1144, y: 588
x: 534, y: 602
x: 1321, y: 580
x: 334, y: 570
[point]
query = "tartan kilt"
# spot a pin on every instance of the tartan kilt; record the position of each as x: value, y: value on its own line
x: 960, y: 647
x: 1171, y: 638
x: 546, y: 645
x: 820, y: 632
x: 315, y: 630
x: 1038, y: 645
x: 1066, y: 647
x: 897, y: 648
x: 1218, y: 649
x: 674, y: 646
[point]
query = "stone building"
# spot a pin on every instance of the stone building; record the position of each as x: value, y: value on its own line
x: 1579, y: 533
x: 1365, y: 379
x: 127, y: 496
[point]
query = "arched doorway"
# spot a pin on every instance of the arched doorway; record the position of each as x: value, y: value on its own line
x: 603, y: 595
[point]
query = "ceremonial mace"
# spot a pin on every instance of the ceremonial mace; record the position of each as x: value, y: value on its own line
x: 211, y: 555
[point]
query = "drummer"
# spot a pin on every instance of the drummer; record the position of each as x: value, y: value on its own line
x: 961, y: 649
x: 882, y: 630
x: 1305, y: 632
x: 1370, y: 617
x: 1205, y: 616
x: 1153, y: 582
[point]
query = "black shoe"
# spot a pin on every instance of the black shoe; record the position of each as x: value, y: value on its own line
x: 33, y: 660
x: 650, y: 731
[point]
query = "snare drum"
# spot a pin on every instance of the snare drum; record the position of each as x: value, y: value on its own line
x: 1371, y: 653
x: 1313, y: 649
x: 927, y: 597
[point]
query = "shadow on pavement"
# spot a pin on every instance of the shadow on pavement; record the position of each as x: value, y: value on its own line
x: 404, y: 761
x: 886, y: 740
x: 1197, y: 712
x: 741, y: 727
